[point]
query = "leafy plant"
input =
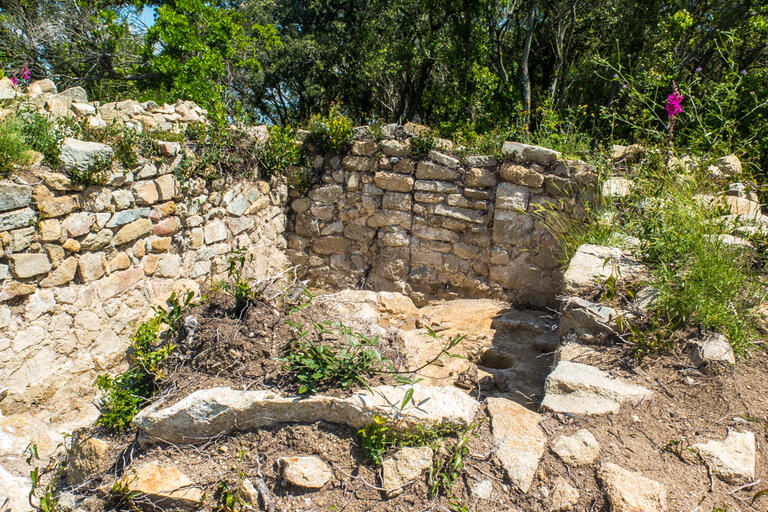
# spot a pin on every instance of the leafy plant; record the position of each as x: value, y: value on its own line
x: 237, y: 285
x: 281, y: 152
x: 13, y: 146
x: 47, y: 501
x: 448, y: 466
x: 317, y: 364
x: 228, y: 500
x: 330, y: 133
x: 125, y: 395
x: 423, y: 143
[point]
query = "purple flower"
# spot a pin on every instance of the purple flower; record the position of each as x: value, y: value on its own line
x: 623, y: 86
x: 674, y: 103
x: 14, y: 80
x: 699, y: 69
x: 743, y: 71
x: 25, y: 72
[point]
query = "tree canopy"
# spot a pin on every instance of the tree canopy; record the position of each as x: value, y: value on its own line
x: 456, y: 65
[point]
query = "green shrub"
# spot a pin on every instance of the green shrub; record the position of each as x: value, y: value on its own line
x: 125, y: 395
x: 44, y: 134
x: 331, y: 133
x: 319, y: 365
x: 423, y: 143
x: 13, y: 146
x: 222, y: 151
x: 281, y: 152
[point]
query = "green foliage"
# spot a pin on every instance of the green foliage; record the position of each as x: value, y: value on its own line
x: 320, y: 365
x: 331, y: 133
x: 284, y: 156
x: 449, y: 465
x: 46, y: 496
x: 125, y: 395
x: 423, y: 143
x: 200, y: 42
x: 229, y: 151
x: 379, y: 436
x: 13, y: 146
x: 228, y: 500
x: 95, y: 174
x: 237, y: 285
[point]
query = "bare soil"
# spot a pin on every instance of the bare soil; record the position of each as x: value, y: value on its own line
x: 689, y: 405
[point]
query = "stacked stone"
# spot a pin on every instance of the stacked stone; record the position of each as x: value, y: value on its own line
x: 73, y: 102
x: 80, y: 266
x: 439, y: 226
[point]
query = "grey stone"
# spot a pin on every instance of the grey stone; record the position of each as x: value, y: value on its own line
x: 512, y: 197
x: 17, y: 219
x: 221, y: 410
x: 127, y: 216
x: 481, y: 161
x: 577, y: 450
x: 521, y: 440
x: 405, y: 466
x: 537, y: 154
x: 593, y: 264
x: 29, y: 265
x: 13, y: 197
x: 443, y: 159
x: 581, y: 389
x: 617, y: 187
x: 509, y: 226
x: 590, y: 322
x: 82, y: 154
x: 326, y: 194
x: 714, y: 348
x: 308, y: 472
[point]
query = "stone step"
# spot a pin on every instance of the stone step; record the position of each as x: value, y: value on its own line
x: 578, y: 388
x: 580, y: 404
x: 536, y: 321
x: 217, y: 411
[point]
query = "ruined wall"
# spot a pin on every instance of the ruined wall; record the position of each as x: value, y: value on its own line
x: 80, y: 267
x: 441, y: 226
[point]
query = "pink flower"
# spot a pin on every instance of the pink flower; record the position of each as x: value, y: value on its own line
x: 674, y: 102
x: 14, y: 80
x: 25, y: 72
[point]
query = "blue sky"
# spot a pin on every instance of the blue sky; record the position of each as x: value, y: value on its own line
x: 147, y: 16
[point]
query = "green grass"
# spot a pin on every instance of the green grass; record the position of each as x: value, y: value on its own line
x: 14, y: 148
x: 702, y: 282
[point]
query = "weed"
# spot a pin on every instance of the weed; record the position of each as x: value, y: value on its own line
x: 331, y: 133
x: 123, y: 396
x: 448, y: 467
x: 320, y: 365
x: 222, y: 152
x: 228, y: 500
x: 377, y: 437
x: 95, y: 174
x: 13, y: 147
x: 47, y: 501
x: 237, y: 285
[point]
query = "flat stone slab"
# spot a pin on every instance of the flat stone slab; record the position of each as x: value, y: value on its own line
x: 522, y: 440
x: 405, y: 466
x: 577, y: 450
x: 163, y: 486
x: 216, y: 411
x: 630, y: 491
x: 308, y: 472
x: 591, y: 389
x: 731, y: 460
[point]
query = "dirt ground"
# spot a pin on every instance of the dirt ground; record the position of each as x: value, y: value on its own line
x: 689, y: 405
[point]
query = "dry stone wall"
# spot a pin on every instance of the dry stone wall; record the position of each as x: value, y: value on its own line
x: 439, y: 226
x: 80, y: 267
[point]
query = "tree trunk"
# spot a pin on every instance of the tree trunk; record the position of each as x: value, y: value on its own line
x: 524, y: 64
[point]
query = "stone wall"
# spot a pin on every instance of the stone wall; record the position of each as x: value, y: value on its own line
x: 80, y: 267
x: 441, y: 226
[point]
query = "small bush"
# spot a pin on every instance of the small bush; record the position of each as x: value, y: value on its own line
x: 331, y: 133
x: 13, y: 146
x: 281, y: 153
x: 222, y: 151
x: 320, y: 365
x: 125, y: 395
x: 423, y: 143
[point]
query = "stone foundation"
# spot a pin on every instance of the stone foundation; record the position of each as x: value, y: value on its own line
x: 439, y: 226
